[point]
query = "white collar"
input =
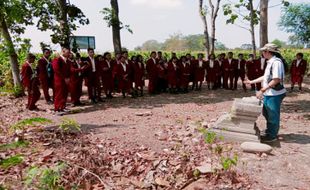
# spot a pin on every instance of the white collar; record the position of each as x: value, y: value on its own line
x: 45, y: 59
x: 63, y: 58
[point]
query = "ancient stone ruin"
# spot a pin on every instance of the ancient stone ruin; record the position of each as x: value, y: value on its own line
x: 240, y: 124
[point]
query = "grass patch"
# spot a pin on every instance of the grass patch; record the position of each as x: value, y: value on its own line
x: 21, y: 125
x: 14, y: 145
x: 11, y: 161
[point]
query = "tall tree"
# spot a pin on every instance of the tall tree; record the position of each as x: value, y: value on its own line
x: 203, y: 17
x: 248, y: 17
x: 214, y: 13
x: 203, y: 11
x: 14, y: 16
x: 295, y: 19
x: 60, y: 17
x: 263, y: 28
x: 111, y: 16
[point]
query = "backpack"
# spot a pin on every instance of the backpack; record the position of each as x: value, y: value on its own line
x: 49, y: 69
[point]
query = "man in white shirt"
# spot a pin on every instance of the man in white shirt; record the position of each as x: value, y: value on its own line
x: 272, y: 92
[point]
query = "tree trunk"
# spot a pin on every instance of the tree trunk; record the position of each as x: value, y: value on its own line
x: 214, y: 11
x: 116, y: 30
x: 205, y: 24
x: 263, y: 30
x: 12, y: 53
x: 252, y: 28
x: 64, y: 27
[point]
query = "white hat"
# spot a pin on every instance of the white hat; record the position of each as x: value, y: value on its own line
x: 270, y: 47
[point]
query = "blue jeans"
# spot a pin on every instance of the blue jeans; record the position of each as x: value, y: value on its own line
x: 271, y: 111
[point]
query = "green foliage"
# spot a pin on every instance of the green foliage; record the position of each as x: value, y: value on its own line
x: 21, y: 125
x: 11, y: 161
x: 112, y: 19
x: 14, y: 145
x: 241, y: 9
x: 209, y: 136
x: 227, y: 162
x: 61, y: 18
x: 45, y: 178
x: 179, y: 42
x: 196, y: 173
x: 68, y: 124
x: 17, y: 14
x: 22, y: 47
x: 279, y: 43
x: 295, y: 19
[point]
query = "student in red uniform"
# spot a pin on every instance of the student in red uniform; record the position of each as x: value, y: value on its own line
x: 184, y: 74
x: 61, y: 70
x: 199, y: 67
x: 173, y: 75
x: 139, y: 71
x: 76, y: 79
x: 261, y: 64
x: 122, y: 74
x: 115, y: 63
x: 93, y: 76
x: 151, y: 68
x: 162, y: 73
x: 131, y: 73
x: 229, y: 67
x: 250, y: 70
x: 45, y: 71
x: 240, y: 71
x: 298, y: 70
x: 221, y: 59
x: 30, y: 82
x: 212, y: 67
x: 191, y: 70
x: 107, y: 74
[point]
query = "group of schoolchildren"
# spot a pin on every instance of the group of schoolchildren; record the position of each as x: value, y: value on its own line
x: 66, y: 73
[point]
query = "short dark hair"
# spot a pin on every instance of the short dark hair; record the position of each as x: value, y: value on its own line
x: 300, y: 54
x: 30, y: 56
x: 90, y: 49
x: 65, y: 47
x: 105, y: 54
x: 45, y: 50
x: 200, y: 54
x: 153, y: 52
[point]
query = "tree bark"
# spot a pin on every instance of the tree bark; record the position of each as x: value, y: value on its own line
x: 263, y: 30
x: 252, y: 27
x: 214, y: 12
x: 205, y: 24
x: 64, y: 27
x: 116, y: 34
x: 11, y: 50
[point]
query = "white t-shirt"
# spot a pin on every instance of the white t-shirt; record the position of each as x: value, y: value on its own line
x: 211, y: 64
x: 277, y: 72
x: 93, y: 66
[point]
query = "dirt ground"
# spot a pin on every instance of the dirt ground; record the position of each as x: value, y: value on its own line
x: 158, y: 122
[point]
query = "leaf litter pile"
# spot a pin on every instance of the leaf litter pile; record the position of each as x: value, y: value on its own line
x: 40, y: 157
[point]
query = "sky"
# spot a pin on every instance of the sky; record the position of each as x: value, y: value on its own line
x: 157, y: 20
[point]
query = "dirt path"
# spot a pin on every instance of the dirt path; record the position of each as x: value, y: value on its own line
x: 159, y: 122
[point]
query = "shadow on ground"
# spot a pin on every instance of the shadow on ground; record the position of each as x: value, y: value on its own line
x: 295, y: 138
